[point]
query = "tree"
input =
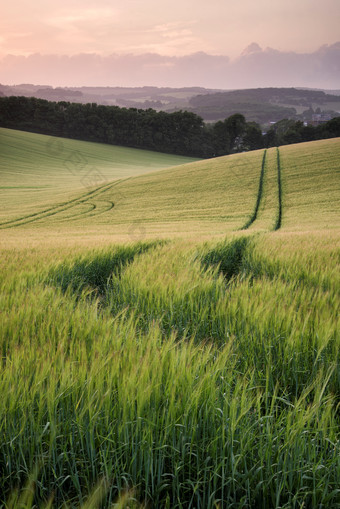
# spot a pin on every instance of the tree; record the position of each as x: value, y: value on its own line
x: 252, y: 137
x: 235, y: 125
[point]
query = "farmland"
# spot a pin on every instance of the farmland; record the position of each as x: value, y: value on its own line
x: 37, y: 170
x: 171, y: 338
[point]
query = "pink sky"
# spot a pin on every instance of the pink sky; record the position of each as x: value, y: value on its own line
x: 168, y: 27
x: 172, y: 28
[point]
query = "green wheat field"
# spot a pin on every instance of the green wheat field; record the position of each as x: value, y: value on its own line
x: 169, y: 327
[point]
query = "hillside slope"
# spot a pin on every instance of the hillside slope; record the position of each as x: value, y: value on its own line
x: 37, y: 170
x: 210, y: 197
x: 176, y: 373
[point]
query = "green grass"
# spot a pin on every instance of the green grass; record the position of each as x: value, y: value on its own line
x: 153, y: 371
x: 194, y: 372
x: 267, y: 207
x: 310, y: 181
x: 204, y: 198
x: 37, y: 169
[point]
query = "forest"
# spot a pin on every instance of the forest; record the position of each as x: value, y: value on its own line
x: 180, y: 132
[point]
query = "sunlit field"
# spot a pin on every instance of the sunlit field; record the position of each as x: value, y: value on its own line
x: 38, y: 170
x: 179, y: 349
x: 312, y: 185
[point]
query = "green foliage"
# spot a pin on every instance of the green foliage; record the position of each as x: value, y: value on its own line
x: 287, y: 132
x: 252, y: 137
x: 180, y: 132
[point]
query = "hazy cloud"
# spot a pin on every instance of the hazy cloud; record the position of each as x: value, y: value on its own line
x: 256, y: 67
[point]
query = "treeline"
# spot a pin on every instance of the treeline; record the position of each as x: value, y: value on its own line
x: 286, y: 132
x: 181, y: 132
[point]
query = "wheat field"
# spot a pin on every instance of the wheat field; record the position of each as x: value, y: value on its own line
x: 179, y: 349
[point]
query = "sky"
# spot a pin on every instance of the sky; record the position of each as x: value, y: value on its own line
x: 170, y: 28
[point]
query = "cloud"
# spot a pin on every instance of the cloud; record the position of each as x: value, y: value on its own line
x: 76, y: 16
x: 252, y: 48
x: 320, y: 69
x: 173, y: 38
x: 254, y: 68
x: 174, y: 25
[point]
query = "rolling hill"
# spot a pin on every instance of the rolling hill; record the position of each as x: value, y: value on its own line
x: 171, y: 338
x: 90, y: 188
x: 37, y: 170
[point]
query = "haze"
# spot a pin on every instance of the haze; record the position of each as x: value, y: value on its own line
x: 174, y: 43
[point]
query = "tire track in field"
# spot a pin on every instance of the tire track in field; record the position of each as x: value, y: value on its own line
x: 99, y: 212
x: 53, y: 208
x: 259, y: 194
x: 94, y: 210
x: 51, y: 211
x: 279, y: 184
x: 90, y: 208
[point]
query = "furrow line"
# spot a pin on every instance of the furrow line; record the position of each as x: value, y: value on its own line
x: 279, y: 183
x: 75, y: 201
x: 59, y: 208
x: 259, y: 194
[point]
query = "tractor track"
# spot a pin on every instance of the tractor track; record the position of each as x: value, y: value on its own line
x: 253, y: 217
x: 57, y: 209
x: 279, y: 184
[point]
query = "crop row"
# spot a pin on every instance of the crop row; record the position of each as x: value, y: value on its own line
x: 51, y: 211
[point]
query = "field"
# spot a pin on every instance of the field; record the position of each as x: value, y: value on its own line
x: 180, y: 348
x: 37, y: 170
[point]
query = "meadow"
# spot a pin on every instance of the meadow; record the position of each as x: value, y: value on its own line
x: 179, y: 349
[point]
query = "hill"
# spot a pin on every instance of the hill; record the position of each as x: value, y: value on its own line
x: 159, y: 98
x: 37, y: 169
x: 265, y: 105
x: 262, y: 105
x: 194, y: 365
x: 77, y: 189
